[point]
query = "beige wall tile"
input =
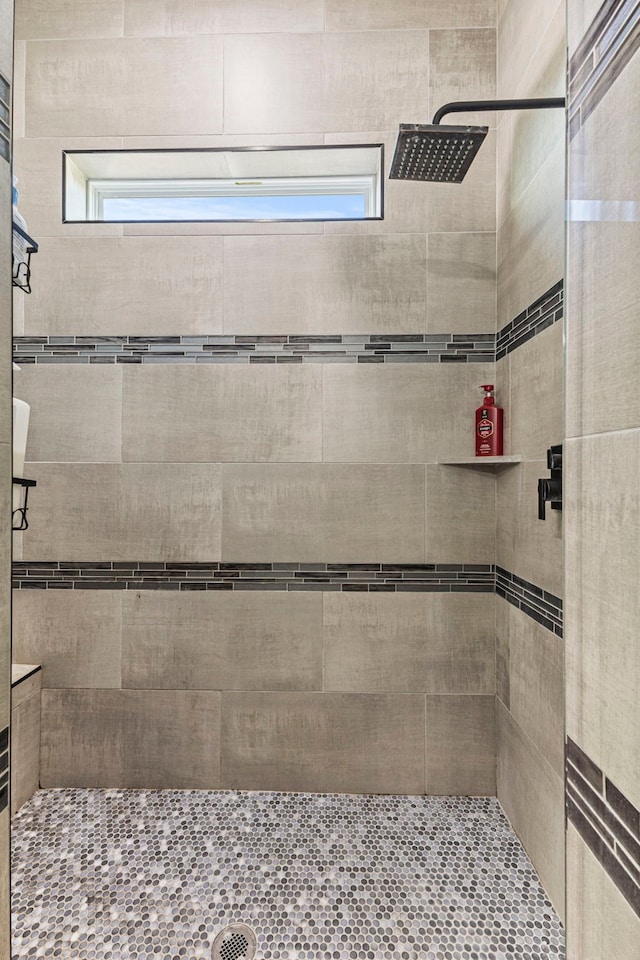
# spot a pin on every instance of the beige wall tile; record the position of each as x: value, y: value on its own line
x: 461, y: 514
x: 323, y: 512
x: 130, y: 738
x: 535, y: 396
x: 145, y: 18
x: 208, y: 413
x: 409, y: 643
x: 530, y: 547
x: 76, y: 411
x: 579, y: 19
x: 603, y: 669
x: 74, y: 634
x: 406, y: 14
x: 25, y: 751
x: 503, y: 632
x: 176, y: 289
x: 601, y: 925
x: 461, y: 746
x: 462, y: 65
x: 139, y: 511
x: 532, y: 796
x: 521, y: 31
x: 28, y: 685
x: 223, y: 641
x: 331, y: 742
x: 324, y: 284
x: 96, y: 87
x: 461, y: 283
x: 389, y: 412
x: 48, y: 19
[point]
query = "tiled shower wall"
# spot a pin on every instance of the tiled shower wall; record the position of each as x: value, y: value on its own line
x: 603, y: 502
x: 530, y: 203
x: 346, y: 680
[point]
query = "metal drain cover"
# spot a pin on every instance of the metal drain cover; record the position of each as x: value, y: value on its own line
x: 235, y: 942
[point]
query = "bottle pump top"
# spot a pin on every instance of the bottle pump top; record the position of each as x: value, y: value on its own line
x: 489, y: 399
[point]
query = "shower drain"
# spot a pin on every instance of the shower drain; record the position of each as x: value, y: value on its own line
x: 235, y: 942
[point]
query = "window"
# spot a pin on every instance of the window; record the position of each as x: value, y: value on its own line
x: 250, y: 184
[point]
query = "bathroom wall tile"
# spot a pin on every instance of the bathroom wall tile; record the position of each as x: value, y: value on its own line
x: 5, y: 922
x: 503, y: 632
x: 130, y: 738
x: 222, y: 641
x: 76, y: 411
x: 532, y: 796
x: 600, y: 922
x: 536, y: 684
x: 155, y: 298
x: 461, y: 746
x: 25, y: 751
x: 504, y: 166
x: 461, y: 283
x: 145, y: 18
x: 462, y: 65
x: 521, y: 31
x: 531, y: 241
x: 342, y: 284
x: 409, y: 643
x: 24, y: 689
x: 460, y: 514
x: 602, y: 521
x: 527, y: 546
x: 408, y: 14
x: 331, y: 742
x: 74, y: 634
x: 49, y: 19
x: 38, y: 167
x: 6, y: 39
x: 388, y: 412
x: 146, y: 86
x: 343, y: 513
x: 139, y: 511
x: 579, y: 19
x: 535, y: 396
x: 218, y: 413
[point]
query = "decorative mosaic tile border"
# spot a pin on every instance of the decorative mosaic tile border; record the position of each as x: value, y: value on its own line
x: 542, y: 313
x: 5, y: 119
x: 4, y: 768
x: 606, y: 820
x: 373, y: 577
x: 608, y: 46
x: 352, y: 348
x: 537, y: 603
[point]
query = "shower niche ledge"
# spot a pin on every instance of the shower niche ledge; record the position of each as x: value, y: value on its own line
x: 482, y: 461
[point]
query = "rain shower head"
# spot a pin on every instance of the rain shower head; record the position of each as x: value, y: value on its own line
x: 444, y: 153
x: 435, y: 152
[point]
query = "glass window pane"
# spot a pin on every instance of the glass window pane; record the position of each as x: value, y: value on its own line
x: 312, y: 207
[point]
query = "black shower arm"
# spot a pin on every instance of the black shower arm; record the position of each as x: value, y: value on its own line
x: 466, y: 106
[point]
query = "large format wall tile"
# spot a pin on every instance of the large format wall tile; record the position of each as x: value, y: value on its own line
x: 325, y: 742
x: 131, y: 738
x: 536, y: 385
x: 532, y: 795
x: 76, y: 412
x: 409, y: 643
x: 132, y: 286
x: 319, y: 285
x: 25, y: 749
x: 406, y: 14
x: 323, y: 512
x: 102, y: 88
x: 49, y: 19
x: 603, y: 602
x: 145, y: 18
x: 461, y: 745
x: 218, y: 413
x: 137, y: 511
x: 521, y: 29
x: 74, y: 634
x: 400, y: 412
x: 460, y: 514
x: 222, y: 641
x: 462, y: 65
x: 461, y: 283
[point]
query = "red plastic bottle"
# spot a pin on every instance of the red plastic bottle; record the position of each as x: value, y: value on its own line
x: 488, y: 426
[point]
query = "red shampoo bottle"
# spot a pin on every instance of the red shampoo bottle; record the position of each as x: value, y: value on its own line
x: 489, y: 426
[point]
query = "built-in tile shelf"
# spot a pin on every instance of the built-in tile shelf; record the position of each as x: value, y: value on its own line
x: 483, y: 461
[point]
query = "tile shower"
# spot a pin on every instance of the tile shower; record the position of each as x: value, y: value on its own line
x: 247, y: 569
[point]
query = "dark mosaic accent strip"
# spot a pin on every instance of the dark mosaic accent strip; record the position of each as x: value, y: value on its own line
x: 609, y: 44
x: 5, y: 119
x: 537, y: 603
x: 372, y: 577
x: 363, y: 348
x: 606, y: 820
x: 542, y: 313
x: 4, y: 767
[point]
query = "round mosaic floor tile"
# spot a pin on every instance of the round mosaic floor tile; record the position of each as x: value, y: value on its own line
x: 156, y: 875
